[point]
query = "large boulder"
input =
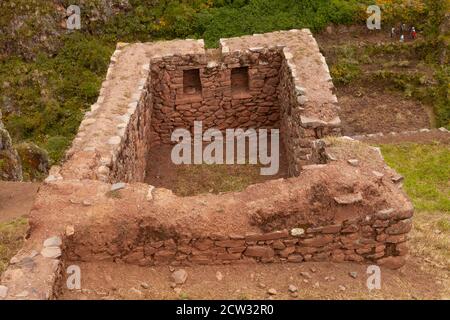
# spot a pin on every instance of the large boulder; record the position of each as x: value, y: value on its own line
x: 35, y: 162
x: 10, y: 166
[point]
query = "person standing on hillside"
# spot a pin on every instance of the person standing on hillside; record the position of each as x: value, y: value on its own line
x: 392, y: 32
x: 402, y: 38
x: 413, y: 33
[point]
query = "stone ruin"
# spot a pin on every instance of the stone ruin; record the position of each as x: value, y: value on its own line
x: 341, y: 202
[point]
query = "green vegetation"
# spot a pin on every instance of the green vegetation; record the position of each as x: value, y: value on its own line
x: 48, y: 97
x: 426, y: 168
x: 215, y: 178
x: 413, y: 69
x: 12, y: 235
x: 48, y: 80
x: 346, y: 68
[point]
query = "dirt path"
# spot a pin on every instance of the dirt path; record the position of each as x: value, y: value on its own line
x: 431, y: 136
x: 16, y: 199
x: 343, y: 35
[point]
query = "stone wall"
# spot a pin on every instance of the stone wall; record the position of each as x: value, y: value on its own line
x: 275, y: 80
x: 298, y: 128
x: 220, y: 100
x: 377, y: 238
x: 131, y: 158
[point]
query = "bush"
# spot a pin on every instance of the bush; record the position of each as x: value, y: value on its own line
x: 49, y: 96
x: 56, y: 146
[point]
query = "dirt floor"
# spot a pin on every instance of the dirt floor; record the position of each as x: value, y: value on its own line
x: 187, y: 180
x: 313, y: 281
x: 16, y: 199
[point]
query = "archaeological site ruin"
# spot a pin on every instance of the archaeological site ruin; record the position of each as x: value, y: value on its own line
x: 338, y: 202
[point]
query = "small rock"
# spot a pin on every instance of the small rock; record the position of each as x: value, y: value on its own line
x: 349, y: 198
x: 70, y: 230
x: 397, y: 178
x: 135, y: 291
x: 3, y: 292
x: 305, y: 274
x: 177, y: 290
x: 179, y: 276
x: 171, y: 269
x: 305, y: 280
x: 54, y: 241
x: 51, y: 252
x: 14, y: 260
x: 22, y: 294
x: 292, y: 288
x: 87, y: 203
x: 297, y: 232
x: 353, y: 162
x: 219, y: 276
x: 313, y: 270
x: 316, y: 285
x: 272, y: 291
x: 377, y: 174
x: 145, y: 285
x: 353, y: 274
x: 342, y: 288
x: 118, y: 186
x: 114, y: 140
x: 261, y: 285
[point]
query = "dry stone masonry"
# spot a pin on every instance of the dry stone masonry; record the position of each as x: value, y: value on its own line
x: 342, y: 203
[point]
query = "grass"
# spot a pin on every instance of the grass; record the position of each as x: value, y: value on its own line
x: 215, y: 178
x: 426, y: 168
x: 12, y: 235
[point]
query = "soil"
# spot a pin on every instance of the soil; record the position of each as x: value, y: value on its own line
x: 343, y: 35
x: 371, y: 110
x: 16, y: 199
x: 188, y: 180
x: 368, y: 107
x: 120, y: 281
